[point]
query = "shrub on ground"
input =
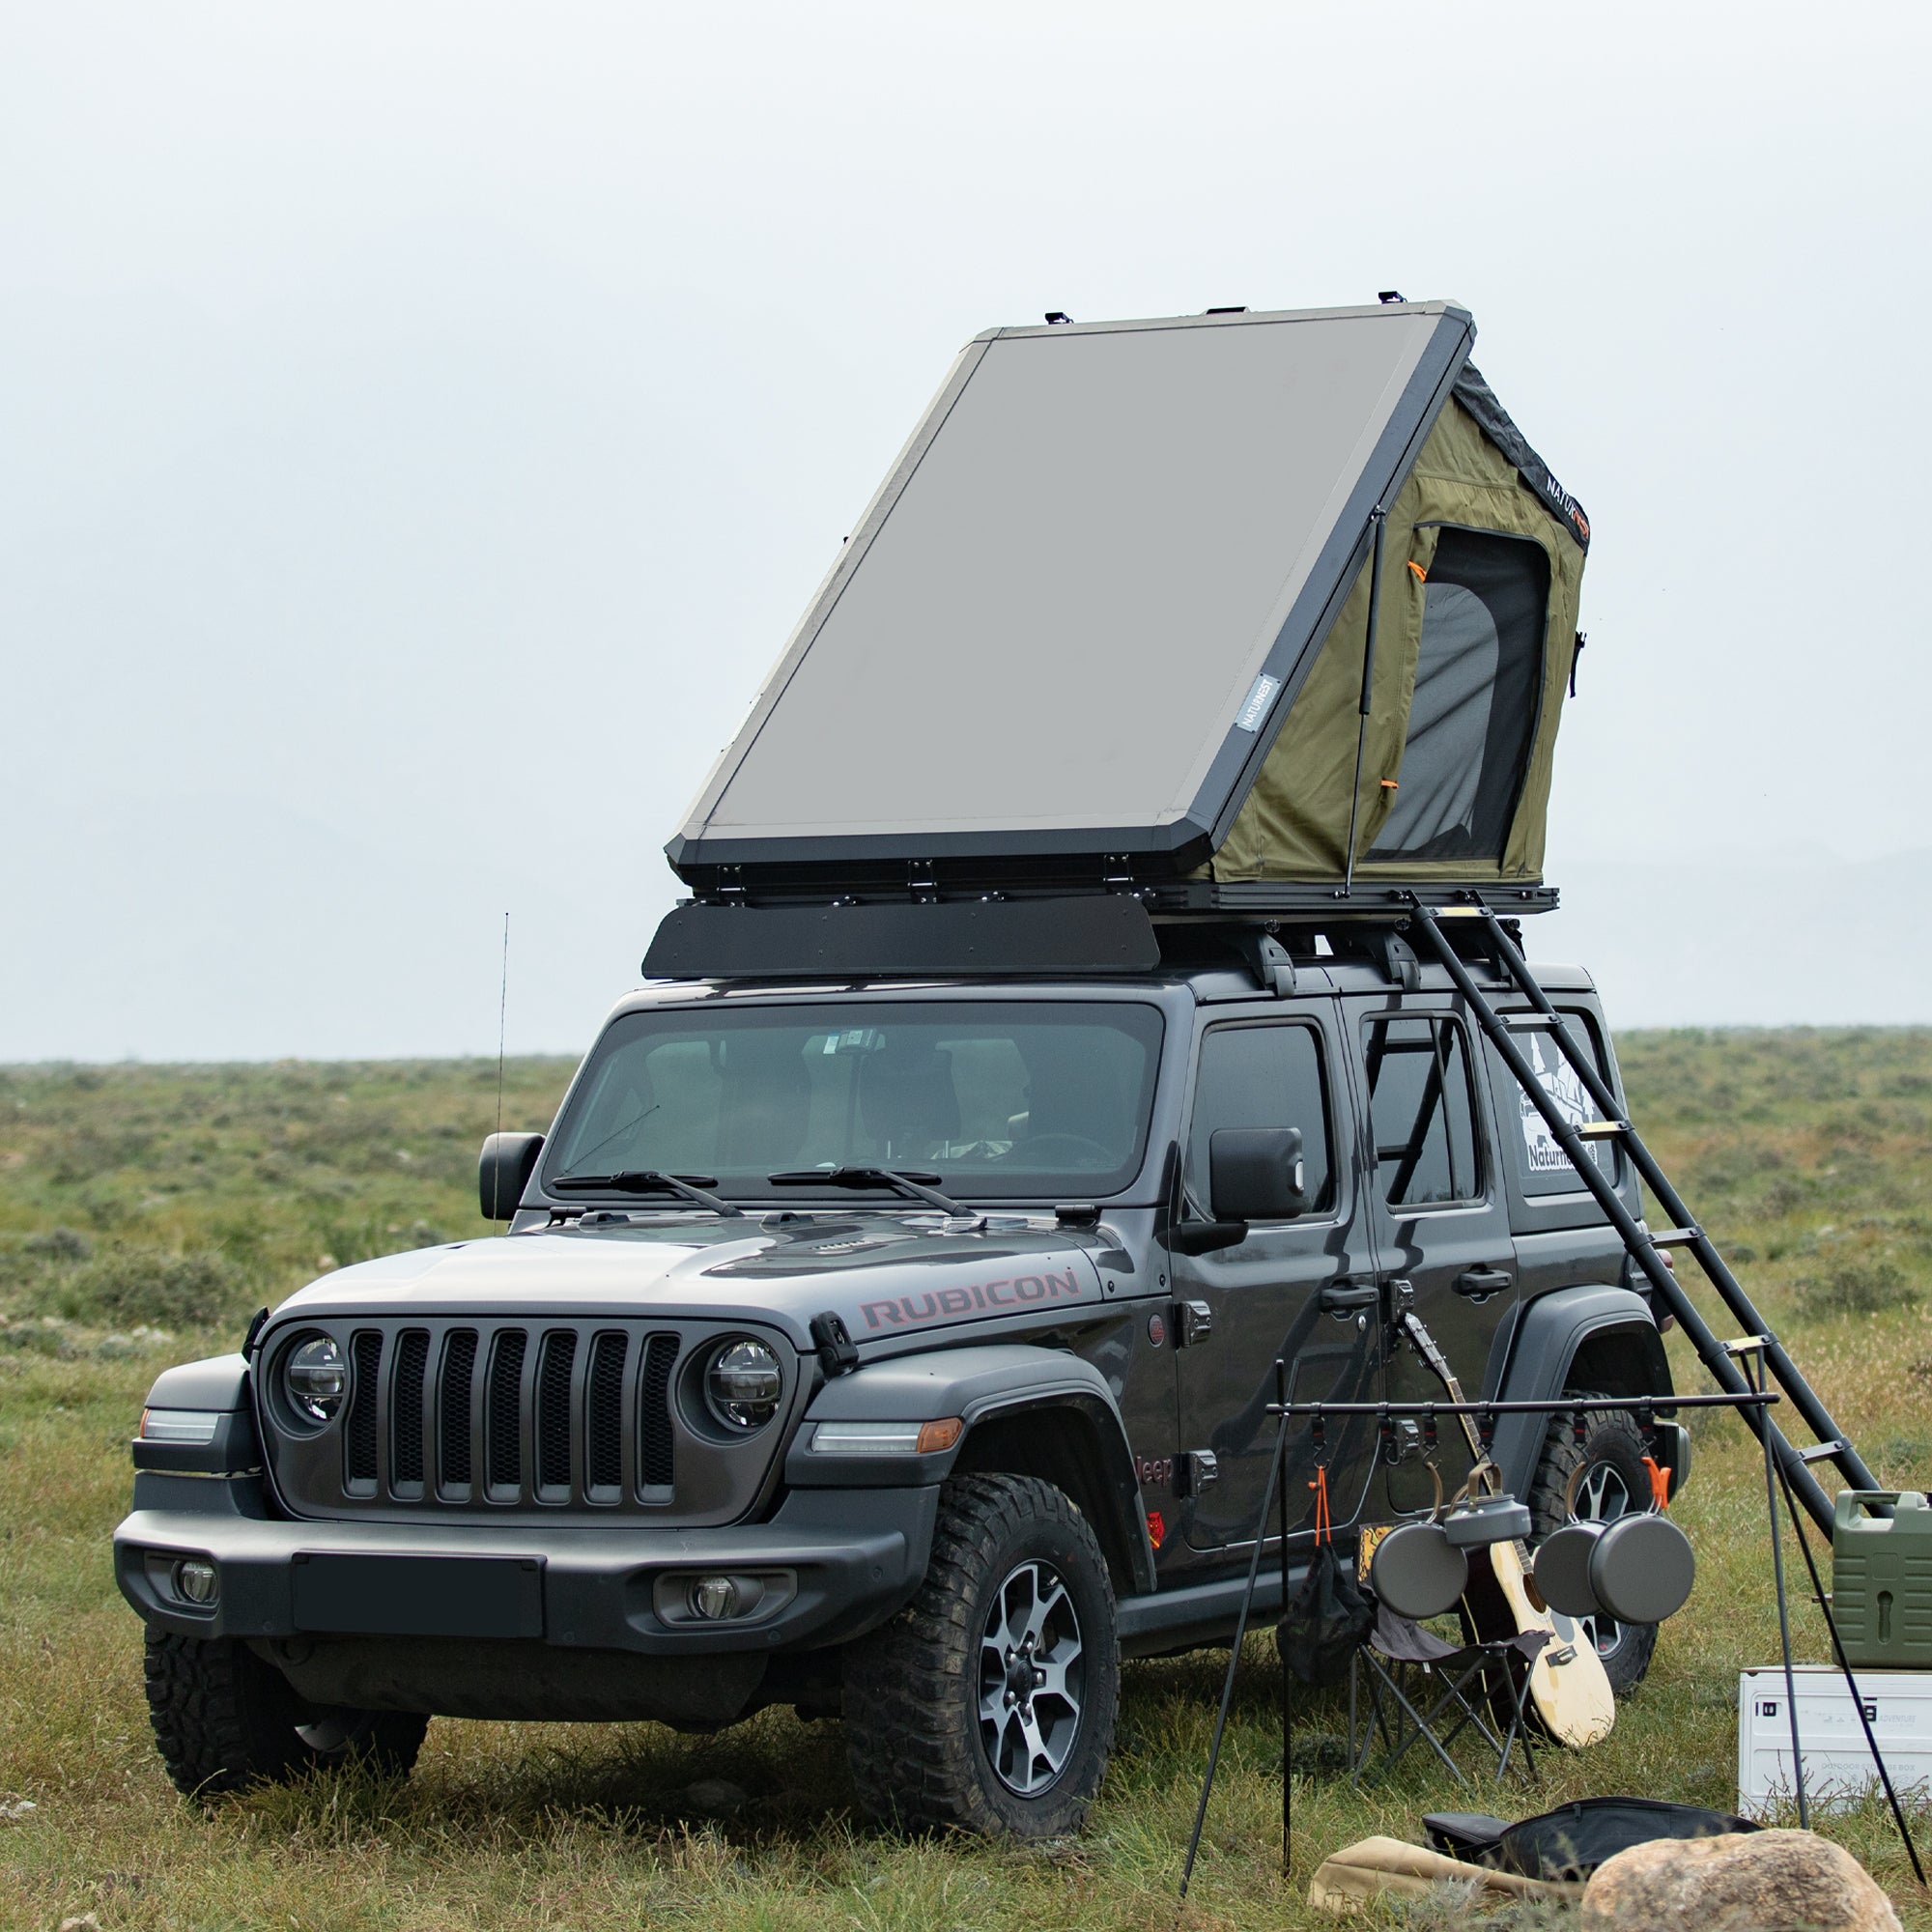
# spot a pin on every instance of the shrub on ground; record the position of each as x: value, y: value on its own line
x: 59, y: 1244
x: 1857, y: 1285
x: 121, y: 1287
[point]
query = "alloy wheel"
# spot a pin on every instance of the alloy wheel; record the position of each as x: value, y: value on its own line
x: 1601, y: 1497
x: 1032, y: 1678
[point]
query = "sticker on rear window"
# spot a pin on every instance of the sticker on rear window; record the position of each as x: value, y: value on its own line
x: 1561, y: 1082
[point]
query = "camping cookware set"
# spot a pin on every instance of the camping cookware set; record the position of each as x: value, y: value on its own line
x: 1637, y: 1568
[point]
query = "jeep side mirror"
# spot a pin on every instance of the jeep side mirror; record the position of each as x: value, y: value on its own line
x: 1257, y: 1174
x: 503, y: 1171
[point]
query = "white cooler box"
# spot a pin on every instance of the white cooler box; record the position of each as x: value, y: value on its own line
x: 1838, y: 1763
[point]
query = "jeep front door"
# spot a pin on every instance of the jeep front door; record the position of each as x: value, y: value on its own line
x: 1301, y: 1289
x: 1437, y: 1207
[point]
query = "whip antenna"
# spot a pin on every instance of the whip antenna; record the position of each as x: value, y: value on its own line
x: 502, y: 1014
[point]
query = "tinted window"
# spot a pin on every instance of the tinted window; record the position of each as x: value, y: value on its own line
x: 1000, y: 1100
x: 1478, y: 670
x: 1423, y: 1113
x: 1263, y: 1076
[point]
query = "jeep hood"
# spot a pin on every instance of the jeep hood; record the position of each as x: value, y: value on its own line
x: 884, y: 1277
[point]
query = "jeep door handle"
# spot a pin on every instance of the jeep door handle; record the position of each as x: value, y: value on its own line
x: 1480, y: 1283
x: 1345, y: 1296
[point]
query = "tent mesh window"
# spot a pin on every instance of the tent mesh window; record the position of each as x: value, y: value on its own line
x: 1473, y: 718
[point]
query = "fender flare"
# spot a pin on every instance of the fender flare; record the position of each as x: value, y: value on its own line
x: 220, y: 1387
x: 220, y: 1383
x: 978, y: 1385
x: 1540, y: 1344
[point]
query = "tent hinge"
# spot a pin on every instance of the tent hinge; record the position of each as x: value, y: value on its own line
x: 1117, y: 872
x: 921, y: 884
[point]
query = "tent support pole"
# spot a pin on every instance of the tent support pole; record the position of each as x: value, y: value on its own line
x: 1377, y: 517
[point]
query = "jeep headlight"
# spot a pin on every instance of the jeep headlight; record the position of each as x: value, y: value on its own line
x: 743, y: 1384
x: 316, y: 1377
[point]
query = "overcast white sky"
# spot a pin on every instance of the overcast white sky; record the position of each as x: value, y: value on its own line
x: 421, y: 426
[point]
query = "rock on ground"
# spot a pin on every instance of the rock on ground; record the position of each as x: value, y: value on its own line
x: 712, y: 1797
x: 1742, y: 1882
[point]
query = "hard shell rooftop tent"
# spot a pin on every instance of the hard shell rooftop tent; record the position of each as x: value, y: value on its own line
x: 1107, y: 623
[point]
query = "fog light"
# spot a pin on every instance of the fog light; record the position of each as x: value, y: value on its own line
x: 197, y: 1582
x: 713, y: 1598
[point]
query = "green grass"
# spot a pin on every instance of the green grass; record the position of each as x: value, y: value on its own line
x: 146, y: 1211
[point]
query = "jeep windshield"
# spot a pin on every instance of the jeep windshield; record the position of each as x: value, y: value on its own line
x: 1020, y: 1100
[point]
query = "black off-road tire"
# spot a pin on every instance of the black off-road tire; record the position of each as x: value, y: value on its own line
x: 914, y: 1733
x: 224, y: 1721
x: 1612, y: 1450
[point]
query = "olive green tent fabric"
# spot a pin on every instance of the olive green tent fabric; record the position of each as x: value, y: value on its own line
x: 1295, y: 823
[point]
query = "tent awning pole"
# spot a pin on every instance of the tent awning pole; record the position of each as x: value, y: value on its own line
x: 1376, y: 518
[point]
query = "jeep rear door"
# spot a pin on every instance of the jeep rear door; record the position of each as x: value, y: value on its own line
x: 1437, y: 1204
x: 1282, y: 1066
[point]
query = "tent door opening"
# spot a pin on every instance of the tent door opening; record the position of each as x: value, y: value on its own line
x: 1478, y: 683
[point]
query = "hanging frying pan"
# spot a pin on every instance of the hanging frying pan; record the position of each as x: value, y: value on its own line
x: 1639, y: 1569
x: 1416, y: 1571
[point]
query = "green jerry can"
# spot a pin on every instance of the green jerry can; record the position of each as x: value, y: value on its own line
x: 1882, y: 1580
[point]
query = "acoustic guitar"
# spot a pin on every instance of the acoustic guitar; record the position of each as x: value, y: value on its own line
x: 1568, y: 1686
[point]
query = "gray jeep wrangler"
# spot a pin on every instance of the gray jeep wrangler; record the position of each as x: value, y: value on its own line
x: 888, y: 1324
x: 901, y: 1353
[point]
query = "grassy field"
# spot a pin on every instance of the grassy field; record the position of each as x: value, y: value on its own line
x: 145, y: 1213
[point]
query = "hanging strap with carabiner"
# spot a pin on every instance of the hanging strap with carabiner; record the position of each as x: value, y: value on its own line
x: 1660, y: 1477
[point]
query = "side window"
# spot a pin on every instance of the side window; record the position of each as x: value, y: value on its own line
x: 1423, y: 1113
x: 1542, y: 1164
x: 1266, y: 1076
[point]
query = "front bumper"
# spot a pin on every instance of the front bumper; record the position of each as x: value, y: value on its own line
x: 839, y: 1562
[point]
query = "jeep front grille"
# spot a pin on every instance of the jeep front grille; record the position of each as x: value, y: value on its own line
x: 459, y: 1365
x: 654, y: 1459
x: 604, y: 1416
x: 477, y: 1419
x: 406, y: 1453
x: 503, y: 1411
x: 360, y: 1444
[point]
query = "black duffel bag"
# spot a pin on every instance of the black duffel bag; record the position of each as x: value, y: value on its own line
x: 1572, y: 1842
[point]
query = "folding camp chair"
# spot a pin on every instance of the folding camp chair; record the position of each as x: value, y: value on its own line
x: 1415, y: 1682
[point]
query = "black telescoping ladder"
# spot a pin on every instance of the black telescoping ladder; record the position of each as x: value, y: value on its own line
x: 1646, y: 1248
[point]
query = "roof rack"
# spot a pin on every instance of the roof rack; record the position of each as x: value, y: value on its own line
x: 1016, y: 936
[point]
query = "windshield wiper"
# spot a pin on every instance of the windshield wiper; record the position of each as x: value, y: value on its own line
x: 914, y: 1186
x: 649, y: 1180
